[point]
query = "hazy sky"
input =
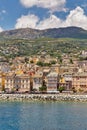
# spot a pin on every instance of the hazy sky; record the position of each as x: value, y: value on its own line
x: 42, y: 14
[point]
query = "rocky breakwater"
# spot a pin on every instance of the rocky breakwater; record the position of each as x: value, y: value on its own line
x: 43, y: 97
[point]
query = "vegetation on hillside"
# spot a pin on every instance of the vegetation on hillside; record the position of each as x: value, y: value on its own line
x: 42, y: 46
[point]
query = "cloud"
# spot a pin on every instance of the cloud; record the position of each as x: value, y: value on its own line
x: 53, y: 5
x: 75, y: 17
x: 32, y: 21
x: 3, y: 11
x: 51, y: 22
x: 1, y: 29
x: 27, y: 21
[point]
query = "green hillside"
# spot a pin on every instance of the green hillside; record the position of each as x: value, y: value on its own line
x: 41, y: 46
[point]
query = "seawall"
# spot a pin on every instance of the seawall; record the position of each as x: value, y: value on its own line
x: 43, y: 97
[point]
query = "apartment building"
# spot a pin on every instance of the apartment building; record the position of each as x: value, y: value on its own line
x: 65, y: 80
x: 52, y: 81
x: 79, y: 81
x: 37, y: 81
x: 9, y: 81
x: 17, y: 82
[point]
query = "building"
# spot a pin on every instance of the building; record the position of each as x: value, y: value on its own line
x: 22, y: 82
x: 61, y: 82
x: 52, y: 82
x: 55, y: 68
x: 0, y: 82
x: 84, y: 53
x: 9, y: 81
x: 17, y: 82
x: 79, y: 81
x: 68, y: 81
x: 82, y: 64
x: 37, y: 81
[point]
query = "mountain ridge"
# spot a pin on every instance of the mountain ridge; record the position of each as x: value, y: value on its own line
x: 28, y: 33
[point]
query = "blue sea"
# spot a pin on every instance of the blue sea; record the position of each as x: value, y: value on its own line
x: 43, y: 116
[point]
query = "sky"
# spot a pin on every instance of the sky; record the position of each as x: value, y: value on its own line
x: 42, y: 14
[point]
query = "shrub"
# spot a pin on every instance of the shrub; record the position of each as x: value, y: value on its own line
x: 53, y: 62
x: 42, y: 88
x: 61, y: 88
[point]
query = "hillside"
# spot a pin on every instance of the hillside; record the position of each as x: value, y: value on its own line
x: 54, y: 47
x: 27, y: 33
x: 54, y: 42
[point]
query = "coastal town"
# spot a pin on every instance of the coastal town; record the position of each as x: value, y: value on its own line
x: 43, y: 74
x: 43, y: 64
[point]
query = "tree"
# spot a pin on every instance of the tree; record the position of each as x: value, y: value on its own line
x: 71, y: 61
x: 43, y: 89
x: 46, y: 64
x: 40, y: 63
x: 61, y: 60
x: 61, y: 88
x: 53, y: 62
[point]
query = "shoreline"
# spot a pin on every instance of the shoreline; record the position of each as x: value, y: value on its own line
x: 44, y: 97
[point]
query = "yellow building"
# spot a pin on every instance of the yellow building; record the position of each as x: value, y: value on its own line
x: 2, y: 81
x: 79, y: 81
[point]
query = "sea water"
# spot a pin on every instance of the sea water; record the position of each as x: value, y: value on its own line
x: 43, y: 116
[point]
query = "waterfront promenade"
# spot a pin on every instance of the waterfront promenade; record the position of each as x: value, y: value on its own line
x: 44, y: 97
